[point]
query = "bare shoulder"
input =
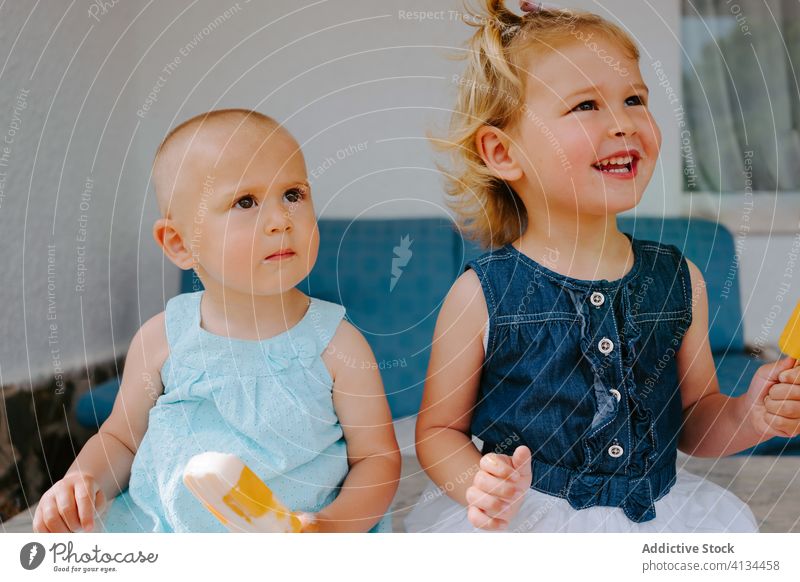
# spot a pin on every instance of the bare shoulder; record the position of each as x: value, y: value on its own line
x: 465, y: 307
x: 151, y: 341
x: 695, y: 274
x: 348, y: 348
x: 699, y: 298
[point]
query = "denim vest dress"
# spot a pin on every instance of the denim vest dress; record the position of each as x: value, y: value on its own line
x: 584, y: 373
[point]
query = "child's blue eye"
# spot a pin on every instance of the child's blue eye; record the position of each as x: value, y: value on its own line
x: 592, y: 105
x: 246, y: 202
x: 586, y: 106
x: 294, y: 195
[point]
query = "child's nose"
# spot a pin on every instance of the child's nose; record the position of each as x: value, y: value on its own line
x: 621, y: 125
x: 277, y: 220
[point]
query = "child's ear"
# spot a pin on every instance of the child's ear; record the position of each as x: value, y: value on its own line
x: 171, y: 242
x: 494, y: 147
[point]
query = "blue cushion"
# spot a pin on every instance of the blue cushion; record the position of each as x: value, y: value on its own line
x: 391, y: 276
x: 94, y: 407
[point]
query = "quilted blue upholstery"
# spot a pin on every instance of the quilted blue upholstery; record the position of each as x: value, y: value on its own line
x: 395, y: 312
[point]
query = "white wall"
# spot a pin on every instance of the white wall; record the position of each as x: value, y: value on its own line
x: 340, y: 73
x: 75, y: 123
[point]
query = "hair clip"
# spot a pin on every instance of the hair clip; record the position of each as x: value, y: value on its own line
x: 530, y: 7
x: 534, y: 7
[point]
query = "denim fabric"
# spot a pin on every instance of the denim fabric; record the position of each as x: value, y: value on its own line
x: 584, y: 373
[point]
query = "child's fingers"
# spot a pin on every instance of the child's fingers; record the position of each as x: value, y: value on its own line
x: 38, y: 517
x: 785, y: 426
x: 99, y: 500
x: 522, y: 461
x: 65, y: 500
x: 480, y: 520
x: 772, y: 371
x: 790, y: 376
x: 51, y: 520
x: 489, y: 504
x: 84, y: 499
x: 498, y: 465
x: 780, y: 407
x: 502, y: 488
x: 785, y: 392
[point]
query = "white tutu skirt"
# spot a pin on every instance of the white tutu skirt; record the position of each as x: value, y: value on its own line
x: 692, y: 505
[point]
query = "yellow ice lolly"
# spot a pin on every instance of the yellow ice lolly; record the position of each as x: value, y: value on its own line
x: 236, y: 496
x: 789, y: 341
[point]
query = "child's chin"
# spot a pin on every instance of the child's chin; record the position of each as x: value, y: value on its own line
x: 276, y: 285
x: 614, y: 203
x: 267, y: 290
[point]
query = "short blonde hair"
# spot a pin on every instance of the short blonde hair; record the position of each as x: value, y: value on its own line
x: 491, y: 92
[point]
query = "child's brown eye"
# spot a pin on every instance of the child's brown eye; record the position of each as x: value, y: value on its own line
x: 294, y: 195
x: 246, y: 202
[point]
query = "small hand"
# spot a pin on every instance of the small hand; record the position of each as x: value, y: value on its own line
x: 69, y: 505
x: 774, y: 399
x: 499, y: 488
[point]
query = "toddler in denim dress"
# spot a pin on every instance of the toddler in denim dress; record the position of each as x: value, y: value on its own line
x: 571, y: 361
x: 248, y: 366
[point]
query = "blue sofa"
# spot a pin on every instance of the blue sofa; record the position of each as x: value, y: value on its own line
x: 392, y: 275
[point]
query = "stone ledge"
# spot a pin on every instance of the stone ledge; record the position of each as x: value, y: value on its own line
x: 39, y: 436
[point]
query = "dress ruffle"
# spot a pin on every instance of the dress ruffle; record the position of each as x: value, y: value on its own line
x: 693, y: 505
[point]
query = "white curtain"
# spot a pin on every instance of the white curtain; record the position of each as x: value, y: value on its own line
x: 742, y: 94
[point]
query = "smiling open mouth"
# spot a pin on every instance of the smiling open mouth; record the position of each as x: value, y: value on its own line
x: 621, y: 166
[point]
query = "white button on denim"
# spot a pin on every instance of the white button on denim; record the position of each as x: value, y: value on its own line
x: 606, y: 346
x: 615, y: 451
x: 615, y: 393
x: 597, y: 299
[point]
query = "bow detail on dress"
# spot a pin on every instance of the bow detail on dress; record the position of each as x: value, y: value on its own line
x: 302, y: 349
x: 635, y: 497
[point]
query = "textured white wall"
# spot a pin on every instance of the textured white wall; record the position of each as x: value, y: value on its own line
x: 76, y: 280
x: 359, y: 83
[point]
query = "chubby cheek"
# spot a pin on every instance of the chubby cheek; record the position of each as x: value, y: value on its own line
x: 230, y: 247
x: 650, y: 135
x: 311, y: 242
x: 573, y: 146
x: 657, y: 139
x: 579, y: 148
x: 304, y: 235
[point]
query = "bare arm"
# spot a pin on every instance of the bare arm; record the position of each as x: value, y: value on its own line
x: 372, y: 451
x: 715, y: 424
x: 102, y: 468
x: 444, y: 443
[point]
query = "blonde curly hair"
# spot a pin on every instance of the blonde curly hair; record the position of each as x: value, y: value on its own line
x: 491, y: 92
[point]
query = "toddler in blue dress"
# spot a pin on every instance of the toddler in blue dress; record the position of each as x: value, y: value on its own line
x: 249, y: 366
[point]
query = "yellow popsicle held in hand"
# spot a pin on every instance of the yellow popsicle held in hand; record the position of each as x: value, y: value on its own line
x: 236, y: 496
x: 789, y: 341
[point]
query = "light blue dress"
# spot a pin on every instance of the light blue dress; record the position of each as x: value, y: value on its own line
x: 269, y: 402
